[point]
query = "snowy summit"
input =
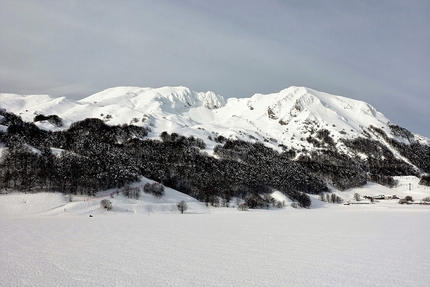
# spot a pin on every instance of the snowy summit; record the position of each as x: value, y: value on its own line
x: 279, y: 118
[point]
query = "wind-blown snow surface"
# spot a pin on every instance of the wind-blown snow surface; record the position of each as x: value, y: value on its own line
x: 382, y: 244
x: 343, y: 247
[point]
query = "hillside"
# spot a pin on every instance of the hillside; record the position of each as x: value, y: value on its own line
x: 296, y: 141
x: 279, y: 118
x: 16, y: 204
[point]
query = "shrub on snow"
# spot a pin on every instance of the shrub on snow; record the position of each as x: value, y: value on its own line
x: 182, y: 206
x: 156, y: 189
x: 242, y: 207
x: 106, y: 204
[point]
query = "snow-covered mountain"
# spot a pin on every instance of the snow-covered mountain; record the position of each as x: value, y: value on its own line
x: 286, y: 118
x: 296, y: 141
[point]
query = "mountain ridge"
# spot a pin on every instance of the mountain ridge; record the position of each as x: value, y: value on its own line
x: 296, y: 118
x: 298, y: 141
x: 283, y: 118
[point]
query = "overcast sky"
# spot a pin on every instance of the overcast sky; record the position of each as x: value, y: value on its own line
x: 375, y: 51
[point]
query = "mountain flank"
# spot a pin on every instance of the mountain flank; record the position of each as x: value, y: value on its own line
x: 297, y: 141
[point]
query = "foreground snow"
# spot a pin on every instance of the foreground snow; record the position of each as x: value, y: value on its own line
x: 47, y: 241
x: 340, y: 246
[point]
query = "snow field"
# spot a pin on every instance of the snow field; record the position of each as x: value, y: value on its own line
x: 318, y: 247
x: 47, y: 241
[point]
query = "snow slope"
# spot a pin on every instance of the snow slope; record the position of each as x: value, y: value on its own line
x: 287, y: 117
x: 18, y: 204
x: 44, y: 204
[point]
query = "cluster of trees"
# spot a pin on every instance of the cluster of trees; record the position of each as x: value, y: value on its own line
x: 95, y: 156
x: 409, y: 200
x: 182, y: 165
x: 425, y: 180
x: 331, y: 198
x: 337, y: 169
x: 322, y: 139
x: 92, y: 156
x: 53, y: 119
x: 156, y: 189
x: 131, y: 192
x: 380, y: 161
x: 380, y: 166
x: 266, y: 201
x: 415, y: 152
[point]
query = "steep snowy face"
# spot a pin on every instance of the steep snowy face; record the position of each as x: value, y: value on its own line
x: 296, y: 113
x: 167, y: 99
x: 211, y: 100
x: 305, y: 109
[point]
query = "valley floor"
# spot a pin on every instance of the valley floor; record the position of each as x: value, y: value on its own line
x: 146, y: 243
x: 340, y: 246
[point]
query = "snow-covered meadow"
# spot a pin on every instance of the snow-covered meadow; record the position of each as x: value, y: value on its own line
x: 145, y: 242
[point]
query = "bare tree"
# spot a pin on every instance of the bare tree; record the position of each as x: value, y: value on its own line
x: 132, y: 192
x: 242, y: 207
x: 182, y: 206
x: 156, y: 189
x: 106, y: 204
x: 357, y: 196
x: 69, y: 197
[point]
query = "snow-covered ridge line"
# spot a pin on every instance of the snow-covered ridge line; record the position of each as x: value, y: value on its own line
x: 287, y: 117
x: 177, y: 98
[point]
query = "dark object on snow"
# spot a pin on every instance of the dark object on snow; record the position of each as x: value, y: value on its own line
x: 106, y: 204
x: 53, y: 119
x: 182, y: 206
x: 91, y: 215
x: 425, y: 180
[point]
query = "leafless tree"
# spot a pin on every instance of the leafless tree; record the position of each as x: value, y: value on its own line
x: 357, y: 196
x: 182, y: 206
x: 106, y: 204
x: 243, y: 206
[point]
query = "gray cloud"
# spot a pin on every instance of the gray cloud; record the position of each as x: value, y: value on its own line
x: 376, y: 51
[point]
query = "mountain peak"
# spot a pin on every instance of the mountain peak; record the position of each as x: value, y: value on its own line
x: 170, y: 99
x: 283, y: 118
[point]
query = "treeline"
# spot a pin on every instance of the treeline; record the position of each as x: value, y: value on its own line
x: 416, y: 153
x: 92, y: 156
x: 178, y: 162
x: 337, y: 169
x: 379, y: 165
